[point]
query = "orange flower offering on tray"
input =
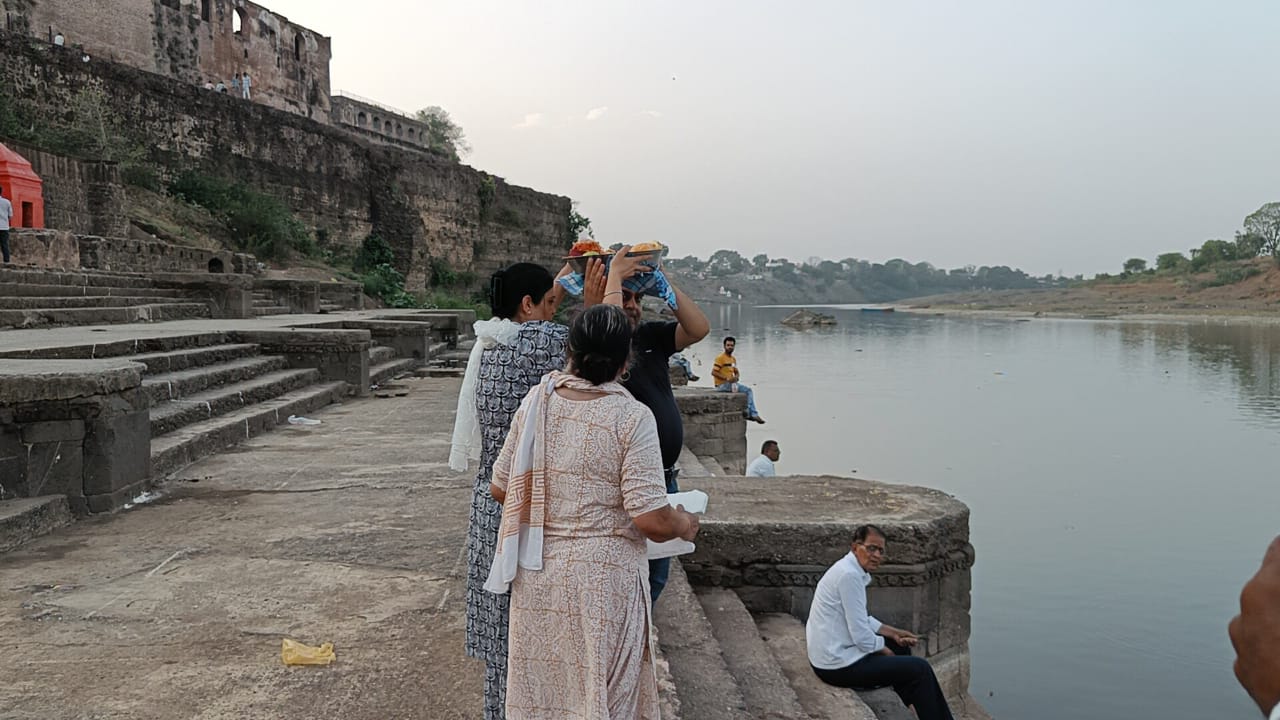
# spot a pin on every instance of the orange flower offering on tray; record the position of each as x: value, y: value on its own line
x: 586, y: 247
x: 648, y: 247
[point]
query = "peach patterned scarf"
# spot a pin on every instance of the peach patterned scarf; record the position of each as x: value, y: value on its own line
x: 525, y: 511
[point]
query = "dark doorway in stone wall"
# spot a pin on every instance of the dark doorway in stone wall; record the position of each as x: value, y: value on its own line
x: 362, y: 120
x: 206, y: 10
x: 28, y: 214
x: 215, y: 266
x: 297, y: 46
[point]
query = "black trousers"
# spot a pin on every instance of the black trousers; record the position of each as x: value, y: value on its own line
x: 911, y: 677
x: 4, y: 244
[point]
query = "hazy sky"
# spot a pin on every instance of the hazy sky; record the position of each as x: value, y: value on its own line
x: 1046, y: 135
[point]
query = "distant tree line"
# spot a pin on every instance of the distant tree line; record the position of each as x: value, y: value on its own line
x: 1259, y: 236
x: 877, y: 282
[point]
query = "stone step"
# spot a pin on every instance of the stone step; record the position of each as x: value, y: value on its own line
x: 183, y: 383
x: 184, y: 446
x: 273, y: 310
x: 38, y: 290
x: 706, y: 689
x: 379, y: 374
x: 119, y: 348
x: 156, y: 312
x: 764, y: 688
x: 783, y: 635
x: 42, y: 276
x: 24, y: 519
x: 174, y: 360
x: 77, y: 301
x: 173, y: 414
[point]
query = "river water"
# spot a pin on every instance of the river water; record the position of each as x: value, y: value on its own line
x: 1121, y: 476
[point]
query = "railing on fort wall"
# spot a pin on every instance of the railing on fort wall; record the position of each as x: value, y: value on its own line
x: 374, y: 103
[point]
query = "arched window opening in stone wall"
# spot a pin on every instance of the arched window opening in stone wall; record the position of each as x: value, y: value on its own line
x: 206, y: 10
x: 362, y: 120
x: 377, y: 124
x: 297, y: 46
x: 238, y: 20
x: 399, y: 130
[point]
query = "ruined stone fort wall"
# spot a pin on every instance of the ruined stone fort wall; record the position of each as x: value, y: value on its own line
x: 193, y: 41
x: 428, y: 207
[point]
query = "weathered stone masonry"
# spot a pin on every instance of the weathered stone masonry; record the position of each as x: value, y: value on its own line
x: 428, y: 207
x: 193, y: 41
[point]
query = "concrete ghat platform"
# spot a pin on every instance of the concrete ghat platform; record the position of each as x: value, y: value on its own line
x: 15, y: 342
x: 770, y: 541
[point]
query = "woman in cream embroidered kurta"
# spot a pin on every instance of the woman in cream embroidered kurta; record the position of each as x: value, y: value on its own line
x: 578, y: 638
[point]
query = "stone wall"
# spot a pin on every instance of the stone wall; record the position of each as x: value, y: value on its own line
x: 74, y: 427
x: 64, y: 250
x: 152, y: 256
x: 79, y: 196
x: 714, y: 426
x: 429, y: 208
x: 193, y: 41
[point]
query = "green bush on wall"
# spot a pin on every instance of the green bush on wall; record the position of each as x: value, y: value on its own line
x: 259, y: 223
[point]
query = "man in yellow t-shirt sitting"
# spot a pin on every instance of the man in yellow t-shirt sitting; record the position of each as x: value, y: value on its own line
x: 725, y: 375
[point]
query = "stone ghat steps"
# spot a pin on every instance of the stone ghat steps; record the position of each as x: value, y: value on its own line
x: 177, y: 449
x: 38, y: 276
x: 724, y: 664
x: 151, y: 312
x: 386, y: 365
x: 32, y: 298
x: 23, y: 302
x: 197, y: 407
x: 179, y: 384
x: 208, y: 397
x: 12, y: 290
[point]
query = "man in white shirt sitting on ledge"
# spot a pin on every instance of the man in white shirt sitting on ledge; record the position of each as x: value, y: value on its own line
x: 763, y: 465
x: 850, y: 648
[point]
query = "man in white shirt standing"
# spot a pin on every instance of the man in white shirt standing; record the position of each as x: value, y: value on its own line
x: 6, y: 213
x: 1255, y: 633
x: 245, y: 84
x: 763, y: 465
x: 850, y: 648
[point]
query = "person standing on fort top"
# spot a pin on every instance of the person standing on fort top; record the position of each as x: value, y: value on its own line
x: 6, y: 212
x: 245, y: 83
x: 235, y: 85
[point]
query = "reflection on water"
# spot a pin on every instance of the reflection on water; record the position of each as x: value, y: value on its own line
x: 1119, y: 476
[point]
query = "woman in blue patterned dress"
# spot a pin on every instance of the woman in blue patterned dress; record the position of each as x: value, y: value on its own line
x: 512, y: 353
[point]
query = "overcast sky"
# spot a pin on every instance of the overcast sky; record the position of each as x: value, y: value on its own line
x: 1052, y: 136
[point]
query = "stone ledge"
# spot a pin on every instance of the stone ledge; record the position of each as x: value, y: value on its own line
x: 808, y: 520
x: 23, y: 381
x: 27, y: 518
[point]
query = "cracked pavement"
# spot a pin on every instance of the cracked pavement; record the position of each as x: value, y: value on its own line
x: 350, y: 532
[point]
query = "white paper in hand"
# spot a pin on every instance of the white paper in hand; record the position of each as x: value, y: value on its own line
x: 694, y: 501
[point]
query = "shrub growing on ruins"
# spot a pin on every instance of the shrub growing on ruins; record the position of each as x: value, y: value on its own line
x: 259, y: 223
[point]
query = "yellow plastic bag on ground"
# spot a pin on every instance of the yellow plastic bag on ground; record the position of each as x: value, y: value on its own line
x: 295, y: 653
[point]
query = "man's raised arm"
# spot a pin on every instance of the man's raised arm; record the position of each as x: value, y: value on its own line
x: 693, y: 324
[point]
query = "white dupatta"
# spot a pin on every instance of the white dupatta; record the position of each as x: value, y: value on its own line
x: 524, y: 512
x: 467, y: 443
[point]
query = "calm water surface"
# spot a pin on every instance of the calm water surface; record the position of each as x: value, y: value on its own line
x: 1121, y: 476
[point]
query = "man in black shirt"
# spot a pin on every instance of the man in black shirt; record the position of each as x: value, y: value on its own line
x: 652, y: 345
